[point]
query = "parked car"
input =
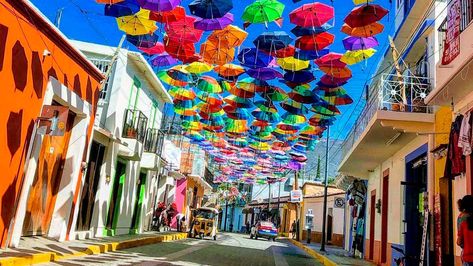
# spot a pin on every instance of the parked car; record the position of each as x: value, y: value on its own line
x: 264, y: 230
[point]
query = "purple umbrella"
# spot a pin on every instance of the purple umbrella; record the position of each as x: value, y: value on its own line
x: 143, y: 41
x: 214, y: 23
x: 162, y: 60
x: 159, y: 5
x: 264, y: 73
x: 359, y: 43
x: 299, y: 77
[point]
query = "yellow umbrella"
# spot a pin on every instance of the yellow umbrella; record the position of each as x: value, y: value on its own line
x: 199, y: 67
x: 359, y: 2
x: 354, y: 57
x: 137, y: 24
x: 292, y: 64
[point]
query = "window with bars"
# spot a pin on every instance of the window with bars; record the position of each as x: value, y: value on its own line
x: 103, y: 65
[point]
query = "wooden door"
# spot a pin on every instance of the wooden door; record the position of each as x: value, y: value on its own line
x: 372, y: 221
x: 384, y: 217
x: 115, y: 198
x: 139, y: 198
x: 45, y: 186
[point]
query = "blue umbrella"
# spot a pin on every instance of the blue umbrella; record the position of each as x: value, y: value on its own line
x: 301, y: 31
x: 303, y: 76
x: 125, y: 8
x: 264, y: 73
x: 272, y: 41
x: 210, y: 8
x: 252, y: 58
x: 310, y: 54
x: 144, y: 41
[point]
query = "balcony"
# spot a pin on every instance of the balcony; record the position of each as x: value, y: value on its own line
x: 390, y: 120
x: 453, y: 80
x: 134, y: 132
x: 150, y: 158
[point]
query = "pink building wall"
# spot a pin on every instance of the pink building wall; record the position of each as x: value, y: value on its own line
x: 180, y: 198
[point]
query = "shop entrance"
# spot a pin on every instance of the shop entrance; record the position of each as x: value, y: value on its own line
x: 91, y: 183
x: 415, y: 187
x: 117, y: 190
x: 45, y: 186
x: 139, y: 197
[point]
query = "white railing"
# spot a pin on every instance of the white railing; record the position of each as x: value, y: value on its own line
x: 396, y: 94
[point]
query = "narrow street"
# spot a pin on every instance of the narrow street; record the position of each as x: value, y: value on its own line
x: 229, y: 249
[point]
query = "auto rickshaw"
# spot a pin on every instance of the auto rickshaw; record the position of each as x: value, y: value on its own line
x: 204, y: 223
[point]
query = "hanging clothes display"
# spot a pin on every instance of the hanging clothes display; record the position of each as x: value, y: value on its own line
x: 464, y: 139
x: 455, y: 164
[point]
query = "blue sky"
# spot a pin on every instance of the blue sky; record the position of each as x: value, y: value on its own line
x: 84, y: 20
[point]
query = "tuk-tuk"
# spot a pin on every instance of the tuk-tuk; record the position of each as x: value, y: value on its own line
x: 204, y: 223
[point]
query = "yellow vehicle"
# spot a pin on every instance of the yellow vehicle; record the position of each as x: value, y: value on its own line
x: 205, y: 223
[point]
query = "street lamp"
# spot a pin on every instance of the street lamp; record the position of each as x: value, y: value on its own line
x: 324, y: 218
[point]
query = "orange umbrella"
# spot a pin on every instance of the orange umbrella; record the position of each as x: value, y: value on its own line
x: 229, y: 70
x: 230, y: 36
x: 213, y: 54
x: 337, y: 72
x: 367, y: 31
x: 110, y: 2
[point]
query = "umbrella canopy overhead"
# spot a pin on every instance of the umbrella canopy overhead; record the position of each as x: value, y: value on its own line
x: 359, y: 43
x: 137, y: 24
x: 312, y: 15
x: 123, y: 8
x: 252, y: 58
x: 183, y: 30
x: 165, y: 17
x: 210, y: 9
x: 159, y: 5
x: 213, y: 54
x: 315, y: 42
x: 230, y: 36
x: 272, y: 41
x: 364, y: 31
x: 263, y: 11
x: 364, y: 15
x: 212, y: 24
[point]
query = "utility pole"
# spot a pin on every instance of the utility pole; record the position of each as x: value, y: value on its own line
x: 296, y: 187
x: 226, y: 211
x: 324, y: 218
x: 269, y: 196
x: 112, y: 62
x: 279, y: 202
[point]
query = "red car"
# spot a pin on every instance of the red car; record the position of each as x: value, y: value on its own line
x: 265, y: 230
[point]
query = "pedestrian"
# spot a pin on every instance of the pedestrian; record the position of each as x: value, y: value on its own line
x: 293, y: 229
x: 461, y: 215
x: 465, y: 231
x: 179, y: 217
x: 247, y: 227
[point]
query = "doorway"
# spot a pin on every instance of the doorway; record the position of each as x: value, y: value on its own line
x: 329, y: 225
x: 45, y: 186
x: 384, y: 216
x: 139, y: 198
x: 115, y: 197
x: 92, y: 178
x: 415, y: 186
x: 372, y: 220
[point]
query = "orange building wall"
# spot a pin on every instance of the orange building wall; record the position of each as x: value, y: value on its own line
x: 24, y: 75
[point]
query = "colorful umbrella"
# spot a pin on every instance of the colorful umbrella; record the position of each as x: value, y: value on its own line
x: 324, y: 108
x: 179, y: 72
x: 213, y: 54
x: 311, y: 15
x: 230, y: 36
x: 330, y: 60
x: 183, y: 30
x: 364, y: 15
x: 164, y: 77
x: 236, y: 113
x: 292, y: 119
x: 137, y: 24
x: 177, y: 49
x: 252, y: 58
x: 210, y: 98
x: 162, y: 60
x: 301, y: 31
x: 294, y: 107
x: 120, y: 9
x: 266, y: 116
x: 310, y: 55
x: 264, y: 73
x: 272, y: 41
x: 182, y: 94
x: 143, y: 41
x: 266, y: 106
x: 354, y: 57
x: 299, y: 77
x: 240, y: 92
x: 198, y: 67
x: 274, y: 94
x: 365, y: 31
x: 284, y: 52
x: 159, y: 5
x: 263, y: 11
x: 315, y: 42
x: 208, y: 84
x: 292, y: 64
x: 253, y: 85
x: 238, y: 102
x: 210, y: 9
x: 229, y: 70
x: 303, y: 95
x: 359, y: 43
x: 328, y: 81
x: 110, y: 2
x: 337, y: 96
x: 214, y: 23
x: 208, y: 108
x: 158, y: 48
x: 165, y: 17
x: 337, y: 72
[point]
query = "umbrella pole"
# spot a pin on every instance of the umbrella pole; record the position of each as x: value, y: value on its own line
x: 324, y: 217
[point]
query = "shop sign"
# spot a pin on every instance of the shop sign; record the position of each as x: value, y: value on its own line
x: 339, y: 202
x: 53, y: 120
x: 296, y: 196
x: 452, y: 40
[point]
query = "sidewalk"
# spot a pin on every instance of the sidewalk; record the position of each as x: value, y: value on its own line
x: 333, y: 255
x: 43, y: 250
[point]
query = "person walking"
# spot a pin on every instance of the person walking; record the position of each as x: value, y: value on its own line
x: 294, y: 229
x: 465, y: 231
x: 247, y: 227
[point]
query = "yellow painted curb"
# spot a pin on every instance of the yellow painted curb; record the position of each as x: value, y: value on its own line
x: 46, y: 257
x: 323, y: 259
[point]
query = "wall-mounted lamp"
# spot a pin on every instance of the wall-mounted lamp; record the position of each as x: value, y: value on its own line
x: 378, y: 206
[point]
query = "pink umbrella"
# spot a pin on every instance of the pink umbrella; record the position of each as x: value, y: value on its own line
x: 311, y: 15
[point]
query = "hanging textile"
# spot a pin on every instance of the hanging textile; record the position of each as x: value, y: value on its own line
x: 464, y: 139
x: 455, y: 164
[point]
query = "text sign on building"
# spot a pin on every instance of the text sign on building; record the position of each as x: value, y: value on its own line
x: 296, y: 196
x: 452, y: 40
x: 53, y: 120
x: 339, y: 202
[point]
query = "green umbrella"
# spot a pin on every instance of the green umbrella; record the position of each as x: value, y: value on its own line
x: 263, y: 11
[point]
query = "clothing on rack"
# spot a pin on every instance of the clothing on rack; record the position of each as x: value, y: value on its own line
x: 464, y: 138
x: 455, y: 164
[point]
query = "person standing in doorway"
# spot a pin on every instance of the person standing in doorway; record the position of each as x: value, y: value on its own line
x: 465, y: 231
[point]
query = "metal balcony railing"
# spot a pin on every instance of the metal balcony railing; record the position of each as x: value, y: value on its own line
x: 405, y: 94
x: 135, y: 125
x: 152, y: 140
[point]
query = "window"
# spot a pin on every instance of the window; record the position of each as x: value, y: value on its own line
x: 103, y: 65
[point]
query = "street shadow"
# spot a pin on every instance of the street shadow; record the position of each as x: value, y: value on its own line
x: 57, y: 248
x: 88, y: 91
x: 77, y: 86
x: 3, y: 43
x: 37, y: 73
x: 19, y: 66
x: 64, y: 263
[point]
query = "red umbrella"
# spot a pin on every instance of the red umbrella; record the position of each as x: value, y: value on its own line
x: 315, y: 42
x: 158, y: 48
x: 183, y: 30
x: 186, y: 59
x: 364, y: 15
x: 311, y: 15
x: 337, y: 72
x: 330, y: 60
x: 287, y: 51
x: 176, y: 14
x: 179, y: 49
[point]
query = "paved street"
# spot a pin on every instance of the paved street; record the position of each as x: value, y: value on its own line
x: 229, y: 249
